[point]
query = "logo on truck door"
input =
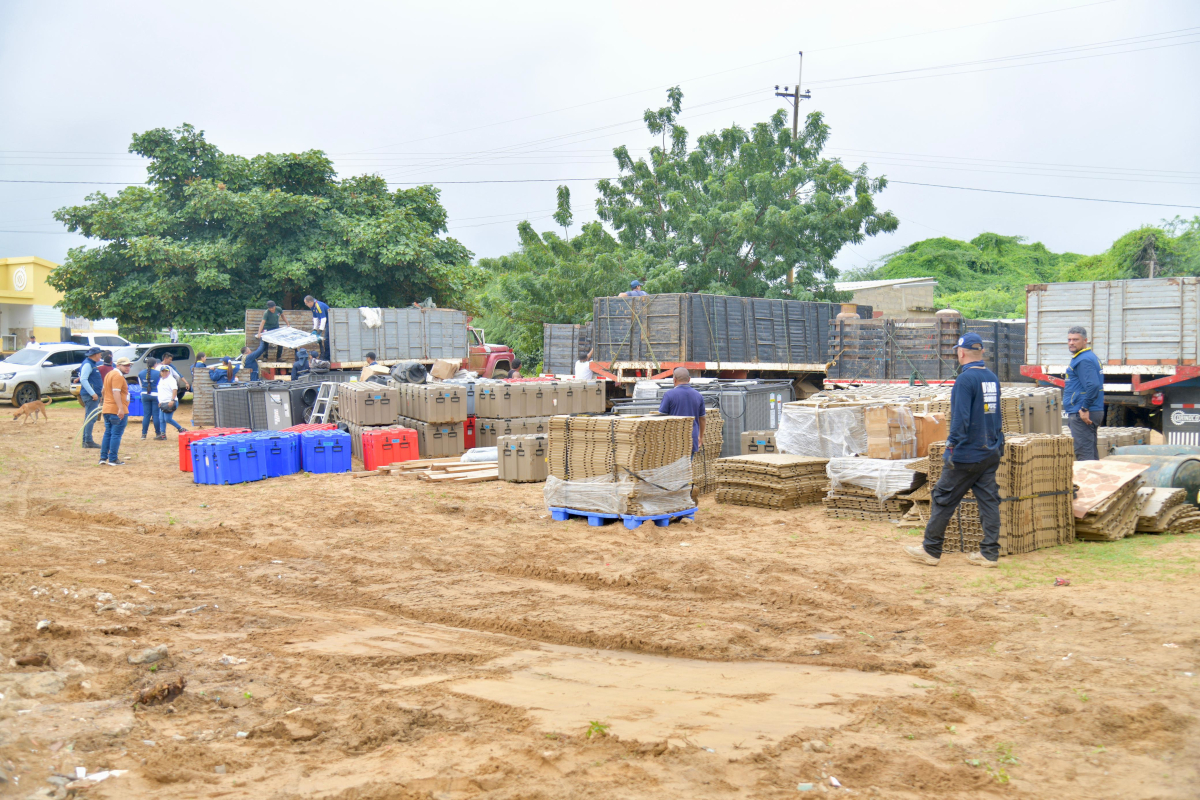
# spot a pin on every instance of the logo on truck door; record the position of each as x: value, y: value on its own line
x: 1183, y: 418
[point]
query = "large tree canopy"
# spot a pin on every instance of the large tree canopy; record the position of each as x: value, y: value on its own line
x: 743, y: 210
x: 212, y: 234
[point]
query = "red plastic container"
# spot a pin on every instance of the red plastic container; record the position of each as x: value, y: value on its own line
x: 310, y: 426
x: 469, y: 432
x: 187, y: 437
x: 388, y: 446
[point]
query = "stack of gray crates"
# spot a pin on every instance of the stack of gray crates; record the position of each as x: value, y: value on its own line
x: 744, y: 405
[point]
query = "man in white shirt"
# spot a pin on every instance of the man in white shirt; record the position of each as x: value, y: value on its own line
x: 168, y: 399
x: 174, y: 335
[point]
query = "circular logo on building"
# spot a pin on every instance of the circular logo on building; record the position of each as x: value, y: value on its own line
x: 20, y: 279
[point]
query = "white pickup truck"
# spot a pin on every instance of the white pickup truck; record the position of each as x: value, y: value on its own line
x: 34, y: 372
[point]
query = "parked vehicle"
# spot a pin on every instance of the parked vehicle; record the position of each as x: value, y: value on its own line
x: 106, y: 340
x: 488, y: 360
x: 183, y: 354
x: 36, y: 372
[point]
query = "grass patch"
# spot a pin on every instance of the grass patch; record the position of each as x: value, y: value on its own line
x: 211, y: 344
x: 1138, y: 558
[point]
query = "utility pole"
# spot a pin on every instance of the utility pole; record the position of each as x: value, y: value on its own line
x: 795, y: 96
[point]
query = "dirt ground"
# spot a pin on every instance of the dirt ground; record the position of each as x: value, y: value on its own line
x: 380, y: 637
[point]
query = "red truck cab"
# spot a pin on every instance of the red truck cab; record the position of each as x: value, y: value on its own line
x: 487, y: 360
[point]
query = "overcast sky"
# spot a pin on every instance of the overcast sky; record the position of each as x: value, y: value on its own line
x: 497, y: 103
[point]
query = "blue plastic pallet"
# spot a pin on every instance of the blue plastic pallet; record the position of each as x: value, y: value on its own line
x: 596, y: 519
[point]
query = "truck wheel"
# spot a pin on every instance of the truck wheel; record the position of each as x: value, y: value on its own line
x: 500, y: 370
x: 25, y: 393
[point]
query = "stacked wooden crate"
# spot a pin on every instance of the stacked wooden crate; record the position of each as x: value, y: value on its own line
x: 771, y: 480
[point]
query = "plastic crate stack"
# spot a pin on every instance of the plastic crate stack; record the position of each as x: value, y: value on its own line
x: 187, y: 437
x: 248, y: 457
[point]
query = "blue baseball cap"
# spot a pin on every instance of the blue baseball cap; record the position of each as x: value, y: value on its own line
x: 634, y: 284
x: 970, y: 341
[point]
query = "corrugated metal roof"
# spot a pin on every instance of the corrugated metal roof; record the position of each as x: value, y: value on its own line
x: 854, y: 286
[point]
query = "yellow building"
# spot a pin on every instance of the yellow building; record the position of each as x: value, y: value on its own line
x: 27, y: 305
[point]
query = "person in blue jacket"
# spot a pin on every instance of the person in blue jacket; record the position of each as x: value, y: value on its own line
x: 320, y: 313
x: 1083, y: 395
x: 91, y: 389
x: 224, y: 372
x: 635, y: 290
x: 148, y: 381
x: 974, y: 446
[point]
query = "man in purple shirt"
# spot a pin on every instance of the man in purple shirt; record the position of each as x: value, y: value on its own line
x: 684, y: 401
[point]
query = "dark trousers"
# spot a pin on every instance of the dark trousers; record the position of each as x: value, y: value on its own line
x: 262, y: 349
x: 956, y: 481
x: 90, y: 405
x: 325, y: 344
x: 1084, y: 434
x: 150, y: 414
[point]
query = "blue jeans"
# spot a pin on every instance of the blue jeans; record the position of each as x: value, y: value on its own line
x: 150, y: 413
x: 168, y: 418
x: 89, y: 405
x: 114, y: 429
x: 261, y: 349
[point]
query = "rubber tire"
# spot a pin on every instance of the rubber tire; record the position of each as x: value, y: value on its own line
x: 500, y: 374
x: 21, y: 394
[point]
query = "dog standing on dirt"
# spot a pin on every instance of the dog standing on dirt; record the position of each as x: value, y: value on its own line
x: 32, y: 410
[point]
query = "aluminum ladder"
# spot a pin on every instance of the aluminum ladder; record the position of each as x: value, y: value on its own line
x: 326, y: 402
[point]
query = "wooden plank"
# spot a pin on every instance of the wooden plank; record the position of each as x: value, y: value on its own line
x: 468, y: 466
x: 422, y: 463
x: 478, y: 479
x: 438, y: 477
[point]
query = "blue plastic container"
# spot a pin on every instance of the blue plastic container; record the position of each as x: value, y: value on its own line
x: 135, y: 401
x: 239, y: 458
x: 201, y: 458
x: 283, y: 453
x: 325, y: 451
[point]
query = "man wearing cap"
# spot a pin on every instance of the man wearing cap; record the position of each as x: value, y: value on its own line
x: 320, y: 313
x: 225, y: 371
x: 635, y: 290
x: 116, y: 412
x: 1083, y: 394
x: 91, y: 394
x: 973, y: 450
x: 684, y: 401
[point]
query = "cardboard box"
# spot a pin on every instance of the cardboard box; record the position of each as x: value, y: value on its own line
x: 756, y: 442
x: 368, y: 403
x: 891, y: 432
x: 444, y: 368
x: 930, y: 428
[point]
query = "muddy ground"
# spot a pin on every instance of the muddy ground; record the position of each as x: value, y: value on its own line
x: 386, y: 638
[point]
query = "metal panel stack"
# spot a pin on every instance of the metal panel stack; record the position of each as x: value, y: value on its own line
x: 1035, y: 482
x: 231, y: 405
x: 893, y: 349
x: 771, y: 480
x: 563, y: 345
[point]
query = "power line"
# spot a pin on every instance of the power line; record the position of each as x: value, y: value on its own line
x: 1055, y: 196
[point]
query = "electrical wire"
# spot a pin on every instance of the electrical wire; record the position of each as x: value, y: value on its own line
x: 1055, y: 196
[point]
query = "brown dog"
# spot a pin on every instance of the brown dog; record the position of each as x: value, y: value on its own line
x: 31, y: 410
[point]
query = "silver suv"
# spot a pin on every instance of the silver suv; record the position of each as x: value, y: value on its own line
x: 44, y: 370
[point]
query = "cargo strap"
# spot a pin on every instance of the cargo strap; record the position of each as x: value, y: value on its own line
x: 1038, y: 494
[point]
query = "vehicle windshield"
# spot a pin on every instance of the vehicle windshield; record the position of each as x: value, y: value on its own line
x: 111, y: 341
x: 27, y: 357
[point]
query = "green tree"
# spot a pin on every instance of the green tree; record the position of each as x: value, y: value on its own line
x: 744, y: 211
x: 213, y: 234
x: 550, y: 279
x: 563, y: 215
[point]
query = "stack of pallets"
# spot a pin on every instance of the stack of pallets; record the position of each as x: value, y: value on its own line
x: 704, y: 462
x: 1035, y: 483
x: 856, y: 502
x: 1167, y: 511
x: 771, y: 480
x: 636, y: 466
x: 1108, y: 501
x: 204, y: 414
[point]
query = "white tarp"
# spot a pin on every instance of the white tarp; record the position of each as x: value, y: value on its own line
x: 289, y: 337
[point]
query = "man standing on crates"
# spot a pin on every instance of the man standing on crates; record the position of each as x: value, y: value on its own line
x: 320, y: 323
x: 973, y: 450
x: 1083, y: 394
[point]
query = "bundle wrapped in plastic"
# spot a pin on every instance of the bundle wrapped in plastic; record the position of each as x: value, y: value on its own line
x: 479, y: 454
x: 662, y: 490
x: 885, y: 477
x: 822, y: 430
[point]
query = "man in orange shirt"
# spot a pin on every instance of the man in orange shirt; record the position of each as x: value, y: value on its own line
x: 115, y: 411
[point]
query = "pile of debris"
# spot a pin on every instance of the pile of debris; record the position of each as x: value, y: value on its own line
x: 636, y: 466
x: 771, y: 480
x: 1167, y: 511
x: 1108, y: 502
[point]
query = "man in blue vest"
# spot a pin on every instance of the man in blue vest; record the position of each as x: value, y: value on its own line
x: 320, y: 313
x: 91, y: 389
x: 974, y: 446
x: 148, y: 381
x: 1083, y: 395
